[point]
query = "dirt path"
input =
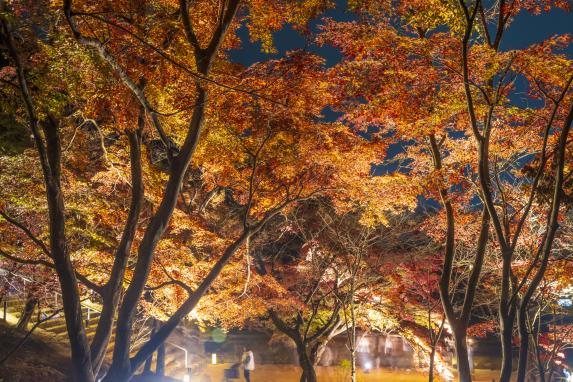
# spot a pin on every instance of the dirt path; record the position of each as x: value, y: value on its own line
x: 39, y: 359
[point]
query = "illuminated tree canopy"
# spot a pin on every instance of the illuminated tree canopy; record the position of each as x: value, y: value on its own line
x: 420, y: 183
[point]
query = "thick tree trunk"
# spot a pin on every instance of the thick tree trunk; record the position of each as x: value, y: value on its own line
x: 81, y: 358
x: 122, y: 367
x: 306, y: 364
x: 27, y: 313
x: 462, y: 355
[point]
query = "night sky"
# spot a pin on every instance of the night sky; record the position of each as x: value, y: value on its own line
x: 526, y: 29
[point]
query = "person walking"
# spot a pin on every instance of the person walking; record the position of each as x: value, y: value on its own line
x: 248, y: 361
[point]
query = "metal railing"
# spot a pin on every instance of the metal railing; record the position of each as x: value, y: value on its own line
x: 90, y: 310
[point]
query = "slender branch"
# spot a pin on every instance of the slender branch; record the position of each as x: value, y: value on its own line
x: 444, y: 284
x: 465, y: 70
x: 473, y: 280
x: 26, y: 261
x: 172, y: 281
x: 28, y: 233
x: 542, y: 164
x: 27, y: 97
x: 83, y: 279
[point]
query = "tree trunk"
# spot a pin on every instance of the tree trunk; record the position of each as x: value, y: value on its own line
x: 462, y: 355
x: 506, y: 332
x: 149, y: 360
x: 306, y: 364
x: 160, y: 366
x: 121, y: 368
x: 353, y: 365
x: 432, y: 362
x: 27, y: 312
x: 113, y: 288
x: 523, y: 345
x: 147, y: 366
x: 81, y: 359
x: 50, y: 153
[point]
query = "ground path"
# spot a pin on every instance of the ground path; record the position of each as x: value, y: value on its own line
x: 288, y: 373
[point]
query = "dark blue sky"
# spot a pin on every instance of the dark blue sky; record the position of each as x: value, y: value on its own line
x: 526, y: 29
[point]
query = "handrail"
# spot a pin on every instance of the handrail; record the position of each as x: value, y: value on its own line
x: 56, y: 293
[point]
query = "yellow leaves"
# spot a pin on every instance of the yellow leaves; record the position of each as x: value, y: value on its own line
x: 384, y: 195
x: 430, y: 14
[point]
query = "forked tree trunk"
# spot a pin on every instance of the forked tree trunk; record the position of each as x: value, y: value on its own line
x: 122, y: 366
x: 113, y: 288
x: 306, y: 364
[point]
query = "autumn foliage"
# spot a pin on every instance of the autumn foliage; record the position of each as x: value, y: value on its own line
x: 143, y: 167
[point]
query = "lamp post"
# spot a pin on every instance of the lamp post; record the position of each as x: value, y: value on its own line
x: 187, y: 376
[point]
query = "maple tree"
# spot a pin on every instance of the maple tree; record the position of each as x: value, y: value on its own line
x: 471, y: 157
x: 157, y: 169
x: 270, y: 163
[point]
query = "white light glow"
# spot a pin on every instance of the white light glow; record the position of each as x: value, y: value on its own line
x: 186, y: 378
x: 368, y: 366
x: 213, y: 359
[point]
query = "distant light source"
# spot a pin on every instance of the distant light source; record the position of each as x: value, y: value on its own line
x: 367, y: 366
x: 214, y: 359
x: 565, y: 302
x: 186, y: 378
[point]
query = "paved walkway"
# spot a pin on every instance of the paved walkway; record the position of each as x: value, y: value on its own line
x: 287, y: 373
